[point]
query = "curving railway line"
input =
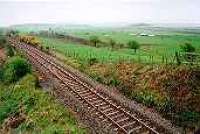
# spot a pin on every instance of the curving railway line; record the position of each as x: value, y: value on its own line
x: 104, y: 108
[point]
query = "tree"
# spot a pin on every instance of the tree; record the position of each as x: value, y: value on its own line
x: 133, y: 45
x: 112, y: 43
x: 94, y: 40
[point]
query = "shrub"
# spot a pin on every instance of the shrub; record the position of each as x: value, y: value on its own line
x: 92, y: 61
x: 153, y: 99
x: 114, y: 82
x: 15, y: 68
x: 188, y: 49
x: 187, y: 118
x: 9, y: 51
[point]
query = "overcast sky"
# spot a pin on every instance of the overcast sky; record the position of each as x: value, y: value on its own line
x: 99, y: 11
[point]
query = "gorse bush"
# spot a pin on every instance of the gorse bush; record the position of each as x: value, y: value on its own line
x: 15, y: 68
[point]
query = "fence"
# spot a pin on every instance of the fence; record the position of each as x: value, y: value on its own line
x: 176, y: 58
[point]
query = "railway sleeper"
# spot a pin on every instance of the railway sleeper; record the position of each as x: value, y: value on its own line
x: 128, y: 124
x: 91, y: 96
x: 101, y: 104
x: 122, y: 120
x: 83, y: 92
x: 93, y: 99
x: 97, y: 101
x: 108, y: 110
x: 105, y: 107
x: 135, y: 130
x: 118, y: 116
x: 112, y: 113
x: 86, y: 94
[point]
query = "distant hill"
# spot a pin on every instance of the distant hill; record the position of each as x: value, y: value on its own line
x: 55, y: 27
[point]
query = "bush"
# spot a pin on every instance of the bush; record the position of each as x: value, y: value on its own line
x: 114, y: 82
x: 187, y: 47
x: 187, y: 118
x: 92, y: 61
x: 153, y: 99
x: 15, y: 68
x: 9, y: 51
x: 189, y: 50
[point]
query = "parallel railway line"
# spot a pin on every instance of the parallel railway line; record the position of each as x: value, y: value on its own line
x: 104, y: 108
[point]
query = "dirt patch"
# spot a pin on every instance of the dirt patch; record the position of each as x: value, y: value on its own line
x: 2, y: 55
x: 12, y: 122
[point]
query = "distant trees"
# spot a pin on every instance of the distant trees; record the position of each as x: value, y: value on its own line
x: 12, y: 32
x: 94, y: 40
x: 133, y: 45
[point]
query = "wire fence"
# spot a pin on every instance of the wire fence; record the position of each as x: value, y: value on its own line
x: 176, y: 58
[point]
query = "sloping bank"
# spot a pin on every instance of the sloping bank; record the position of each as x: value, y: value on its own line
x: 25, y: 108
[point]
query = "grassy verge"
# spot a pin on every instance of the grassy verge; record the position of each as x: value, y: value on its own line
x: 27, y: 109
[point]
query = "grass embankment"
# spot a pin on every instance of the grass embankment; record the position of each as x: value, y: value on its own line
x: 172, y: 90
x: 26, y: 108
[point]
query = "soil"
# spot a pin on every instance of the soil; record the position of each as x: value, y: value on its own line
x: 2, y: 54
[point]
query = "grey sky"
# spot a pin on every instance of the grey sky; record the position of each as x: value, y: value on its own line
x: 99, y: 11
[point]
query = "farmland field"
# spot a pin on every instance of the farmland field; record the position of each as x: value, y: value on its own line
x: 154, y: 49
x: 157, y: 42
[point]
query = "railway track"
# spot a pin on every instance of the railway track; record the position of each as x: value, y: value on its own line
x: 103, y: 108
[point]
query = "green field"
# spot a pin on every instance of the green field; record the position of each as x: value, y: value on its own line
x: 156, y: 53
x: 159, y: 48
